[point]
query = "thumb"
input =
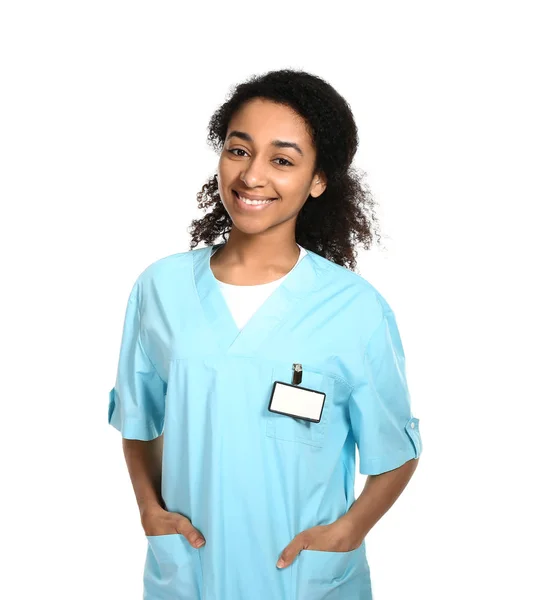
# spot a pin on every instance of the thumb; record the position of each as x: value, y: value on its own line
x: 288, y: 555
x: 194, y: 537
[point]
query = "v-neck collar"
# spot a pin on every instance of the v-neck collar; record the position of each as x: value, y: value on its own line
x: 298, y: 282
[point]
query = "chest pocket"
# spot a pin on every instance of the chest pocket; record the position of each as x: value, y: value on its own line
x: 293, y: 429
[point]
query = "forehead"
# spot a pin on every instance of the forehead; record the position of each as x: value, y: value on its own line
x: 265, y: 120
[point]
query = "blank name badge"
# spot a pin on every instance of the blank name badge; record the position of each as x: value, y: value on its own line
x: 296, y: 401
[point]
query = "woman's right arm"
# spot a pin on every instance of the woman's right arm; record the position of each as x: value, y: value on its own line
x: 144, y: 460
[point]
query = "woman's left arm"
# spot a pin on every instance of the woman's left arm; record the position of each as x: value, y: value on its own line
x: 379, y: 494
x: 348, y: 531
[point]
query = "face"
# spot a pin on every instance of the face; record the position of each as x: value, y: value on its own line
x: 265, y: 171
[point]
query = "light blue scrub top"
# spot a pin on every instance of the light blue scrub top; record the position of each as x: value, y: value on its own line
x: 250, y: 480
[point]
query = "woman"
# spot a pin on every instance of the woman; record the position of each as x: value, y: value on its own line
x: 266, y: 360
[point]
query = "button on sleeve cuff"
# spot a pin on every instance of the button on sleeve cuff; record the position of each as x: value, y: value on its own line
x: 411, y: 450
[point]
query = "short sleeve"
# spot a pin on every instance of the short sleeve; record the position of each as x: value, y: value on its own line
x: 137, y: 400
x: 386, y: 433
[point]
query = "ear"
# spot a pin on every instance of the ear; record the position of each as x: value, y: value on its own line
x: 318, y: 185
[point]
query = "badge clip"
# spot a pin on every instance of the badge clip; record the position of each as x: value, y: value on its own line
x: 297, y: 372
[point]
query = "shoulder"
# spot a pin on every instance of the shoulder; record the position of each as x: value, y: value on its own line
x: 362, y: 295
x: 167, y: 270
x: 168, y: 265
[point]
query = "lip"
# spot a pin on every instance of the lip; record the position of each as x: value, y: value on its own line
x: 249, y: 207
x: 253, y: 196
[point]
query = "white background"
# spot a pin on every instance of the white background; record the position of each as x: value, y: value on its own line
x: 104, y: 109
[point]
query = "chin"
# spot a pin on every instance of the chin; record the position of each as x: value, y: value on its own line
x: 250, y: 228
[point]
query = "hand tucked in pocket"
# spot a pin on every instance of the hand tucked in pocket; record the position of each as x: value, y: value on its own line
x: 159, y: 521
x: 329, y: 538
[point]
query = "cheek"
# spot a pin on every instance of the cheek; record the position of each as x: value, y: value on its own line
x: 227, y: 167
x: 222, y: 170
x: 292, y: 189
x: 225, y: 178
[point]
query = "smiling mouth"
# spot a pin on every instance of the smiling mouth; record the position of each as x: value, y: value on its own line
x: 251, y: 202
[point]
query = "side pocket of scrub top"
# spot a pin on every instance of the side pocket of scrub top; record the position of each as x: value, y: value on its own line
x: 292, y: 429
x: 172, y: 570
x: 336, y: 575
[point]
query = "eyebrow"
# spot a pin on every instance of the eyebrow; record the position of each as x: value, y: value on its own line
x: 278, y: 143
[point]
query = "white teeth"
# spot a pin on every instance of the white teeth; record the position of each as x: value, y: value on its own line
x: 253, y: 202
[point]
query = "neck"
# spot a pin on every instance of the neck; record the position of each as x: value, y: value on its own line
x: 258, y: 252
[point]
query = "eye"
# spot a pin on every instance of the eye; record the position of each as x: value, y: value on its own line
x: 289, y: 164
x: 232, y: 150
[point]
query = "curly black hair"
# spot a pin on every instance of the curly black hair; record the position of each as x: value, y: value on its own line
x: 331, y: 224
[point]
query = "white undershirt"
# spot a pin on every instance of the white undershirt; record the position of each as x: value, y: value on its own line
x: 244, y: 300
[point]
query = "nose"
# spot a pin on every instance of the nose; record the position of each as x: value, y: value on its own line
x: 254, y: 175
